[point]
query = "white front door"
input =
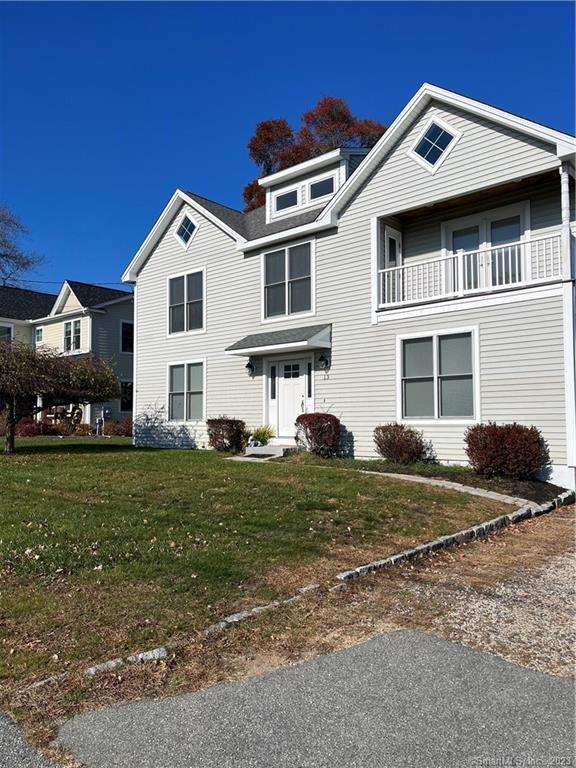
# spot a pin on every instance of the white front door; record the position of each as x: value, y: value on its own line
x: 289, y: 393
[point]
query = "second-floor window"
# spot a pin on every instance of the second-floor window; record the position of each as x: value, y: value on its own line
x: 186, y: 303
x: 72, y: 336
x: 288, y: 281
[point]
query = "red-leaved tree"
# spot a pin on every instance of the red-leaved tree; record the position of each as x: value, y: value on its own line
x: 329, y: 125
x: 26, y: 372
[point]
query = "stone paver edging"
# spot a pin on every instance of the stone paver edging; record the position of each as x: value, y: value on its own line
x: 525, y: 511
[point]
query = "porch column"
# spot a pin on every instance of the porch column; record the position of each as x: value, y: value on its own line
x: 565, y: 234
x: 39, y: 404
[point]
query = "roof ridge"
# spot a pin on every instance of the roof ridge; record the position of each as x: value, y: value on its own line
x: 216, y: 202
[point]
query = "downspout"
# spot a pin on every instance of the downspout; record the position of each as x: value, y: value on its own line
x: 569, y: 322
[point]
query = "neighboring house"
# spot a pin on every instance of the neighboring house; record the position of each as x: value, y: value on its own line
x: 429, y: 281
x: 83, y: 318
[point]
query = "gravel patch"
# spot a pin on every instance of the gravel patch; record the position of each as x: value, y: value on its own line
x: 528, y: 619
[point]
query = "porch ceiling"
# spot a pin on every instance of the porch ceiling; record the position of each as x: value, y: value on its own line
x: 289, y: 340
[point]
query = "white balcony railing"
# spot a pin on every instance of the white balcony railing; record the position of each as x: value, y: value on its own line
x: 509, y: 265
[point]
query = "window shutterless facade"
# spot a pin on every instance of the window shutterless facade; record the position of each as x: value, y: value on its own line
x: 186, y: 302
x: 185, y: 230
x: 288, y: 281
x: 72, y: 338
x: 126, y: 396
x: 434, y: 144
x: 5, y: 333
x: 285, y: 200
x: 321, y: 188
x: 186, y: 391
x: 38, y: 335
x: 126, y: 336
x: 438, y: 376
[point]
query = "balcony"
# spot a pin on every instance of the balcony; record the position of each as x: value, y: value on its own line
x: 510, y: 265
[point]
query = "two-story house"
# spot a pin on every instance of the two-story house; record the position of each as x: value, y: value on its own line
x: 81, y: 319
x: 427, y: 281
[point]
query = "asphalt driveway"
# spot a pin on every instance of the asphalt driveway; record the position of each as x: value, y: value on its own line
x: 401, y: 699
x: 14, y: 750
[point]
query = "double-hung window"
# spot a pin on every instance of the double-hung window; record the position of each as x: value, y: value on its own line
x: 186, y: 303
x: 288, y: 281
x: 72, y: 336
x: 186, y: 392
x: 438, y: 377
x: 5, y: 333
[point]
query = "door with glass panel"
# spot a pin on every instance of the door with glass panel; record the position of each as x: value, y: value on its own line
x: 390, y: 257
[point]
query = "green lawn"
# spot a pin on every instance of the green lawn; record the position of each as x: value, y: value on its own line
x: 106, y: 549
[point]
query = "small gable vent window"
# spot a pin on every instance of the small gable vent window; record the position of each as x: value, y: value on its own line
x: 186, y: 230
x: 434, y: 144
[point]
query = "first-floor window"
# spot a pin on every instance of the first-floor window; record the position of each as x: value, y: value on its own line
x: 38, y: 335
x: 186, y: 392
x: 72, y: 336
x: 126, y: 395
x: 438, y: 377
x: 5, y: 333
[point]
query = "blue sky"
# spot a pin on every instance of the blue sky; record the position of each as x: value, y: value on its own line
x: 106, y: 108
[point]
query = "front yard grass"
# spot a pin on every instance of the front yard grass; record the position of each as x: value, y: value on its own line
x: 107, y: 550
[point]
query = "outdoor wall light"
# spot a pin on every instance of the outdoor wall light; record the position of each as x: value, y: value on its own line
x: 323, y: 362
x: 250, y: 368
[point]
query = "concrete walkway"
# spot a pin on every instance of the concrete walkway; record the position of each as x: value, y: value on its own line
x: 402, y: 699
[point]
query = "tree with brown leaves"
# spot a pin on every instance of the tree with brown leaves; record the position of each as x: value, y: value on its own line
x: 329, y: 125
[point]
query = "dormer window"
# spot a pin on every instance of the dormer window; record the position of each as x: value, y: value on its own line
x: 185, y: 230
x: 286, y: 200
x: 321, y: 188
x: 434, y: 144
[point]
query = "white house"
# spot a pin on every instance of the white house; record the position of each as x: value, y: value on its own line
x: 428, y: 281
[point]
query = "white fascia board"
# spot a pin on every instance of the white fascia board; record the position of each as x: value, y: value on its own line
x: 297, y: 170
x: 286, y: 234
x: 61, y: 298
x: 66, y: 315
x: 563, y: 143
x: 131, y: 272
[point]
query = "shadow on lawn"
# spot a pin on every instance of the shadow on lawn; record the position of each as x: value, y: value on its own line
x: 70, y: 445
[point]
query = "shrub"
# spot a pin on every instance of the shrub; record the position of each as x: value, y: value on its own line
x: 28, y: 427
x: 506, y: 450
x: 120, y: 428
x: 83, y: 430
x: 319, y: 433
x: 226, y: 434
x: 399, y: 443
x: 263, y: 434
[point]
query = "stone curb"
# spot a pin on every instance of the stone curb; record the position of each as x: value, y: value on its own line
x: 468, y: 534
x: 528, y: 510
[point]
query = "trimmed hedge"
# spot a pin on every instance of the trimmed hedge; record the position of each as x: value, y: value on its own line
x: 319, y: 433
x: 226, y: 434
x: 506, y: 450
x: 399, y: 443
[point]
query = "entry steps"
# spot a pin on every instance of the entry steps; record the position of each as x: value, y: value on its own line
x: 274, y: 449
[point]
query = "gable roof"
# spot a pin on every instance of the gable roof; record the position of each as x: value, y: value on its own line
x: 91, y: 295
x: 24, y: 304
x: 564, y: 144
x: 250, y: 230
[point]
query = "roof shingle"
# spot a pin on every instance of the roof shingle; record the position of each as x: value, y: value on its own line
x: 24, y: 304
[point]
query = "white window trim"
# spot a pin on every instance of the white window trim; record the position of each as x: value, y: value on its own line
x: 41, y: 339
x: 179, y: 219
x: 72, y: 350
x: 318, y: 200
x: 123, y: 323
x: 435, y: 334
x: 420, y: 160
x: 194, y: 331
x: 130, y: 410
x: 11, y: 326
x: 482, y: 220
x: 287, y: 315
x: 285, y: 191
x: 185, y: 363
